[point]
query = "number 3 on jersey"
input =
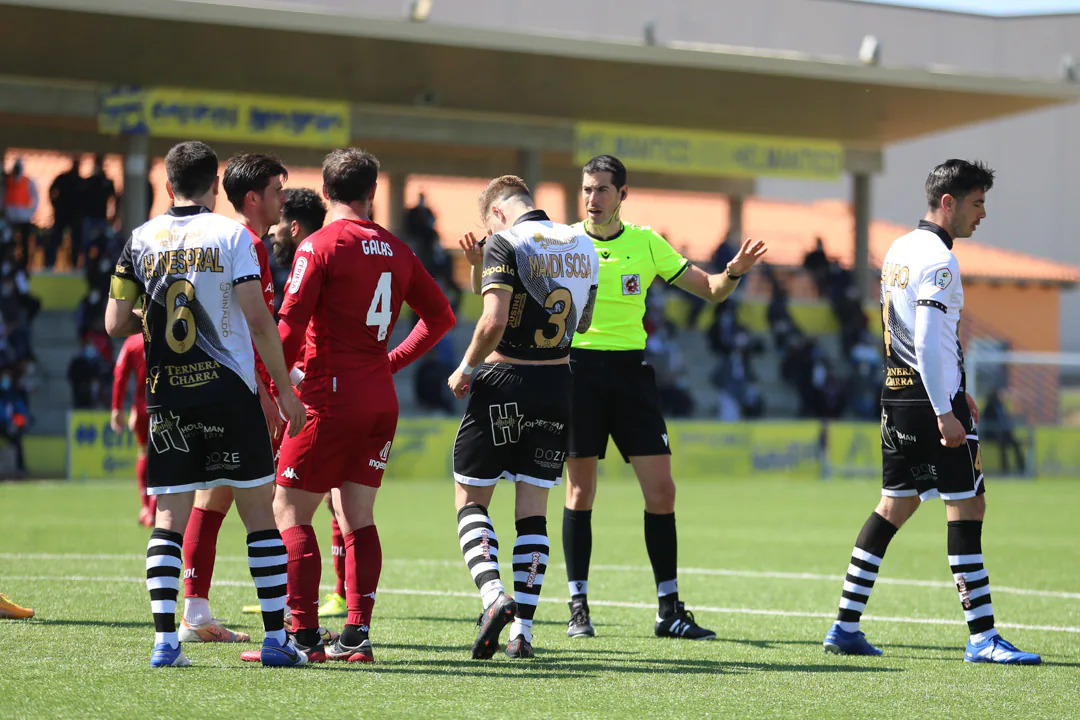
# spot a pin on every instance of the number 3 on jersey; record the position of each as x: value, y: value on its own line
x: 379, y: 314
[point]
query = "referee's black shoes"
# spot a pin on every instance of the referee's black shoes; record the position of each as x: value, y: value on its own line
x: 681, y: 624
x: 580, y: 625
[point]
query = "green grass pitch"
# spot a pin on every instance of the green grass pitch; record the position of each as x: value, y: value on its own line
x: 760, y: 561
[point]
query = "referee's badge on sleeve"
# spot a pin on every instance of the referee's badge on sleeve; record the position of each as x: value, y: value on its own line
x: 631, y: 284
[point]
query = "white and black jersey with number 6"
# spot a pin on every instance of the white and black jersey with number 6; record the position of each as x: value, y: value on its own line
x: 552, y: 273
x: 921, y: 271
x: 198, y: 347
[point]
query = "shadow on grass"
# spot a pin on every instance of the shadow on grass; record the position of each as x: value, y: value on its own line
x: 93, y: 623
x: 553, y: 666
x: 472, y: 620
x: 770, y: 644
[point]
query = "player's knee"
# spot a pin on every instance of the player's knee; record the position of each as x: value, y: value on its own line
x: 580, y: 497
x: 897, y: 510
x: 660, y: 496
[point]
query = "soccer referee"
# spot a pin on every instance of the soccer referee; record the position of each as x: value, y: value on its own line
x: 615, y: 394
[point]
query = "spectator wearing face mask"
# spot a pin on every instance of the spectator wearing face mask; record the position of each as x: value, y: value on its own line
x: 85, y: 373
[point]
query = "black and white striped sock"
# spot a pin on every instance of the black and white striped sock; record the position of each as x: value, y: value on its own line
x: 530, y: 563
x: 863, y: 569
x: 972, y: 580
x: 164, y: 557
x: 268, y: 561
x: 480, y: 547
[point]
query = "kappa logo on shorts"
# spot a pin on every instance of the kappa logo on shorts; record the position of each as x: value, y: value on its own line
x: 631, y: 284
x: 290, y: 473
x: 384, y: 455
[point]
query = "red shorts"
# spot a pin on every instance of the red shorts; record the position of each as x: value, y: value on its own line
x: 331, y: 450
x: 142, y: 427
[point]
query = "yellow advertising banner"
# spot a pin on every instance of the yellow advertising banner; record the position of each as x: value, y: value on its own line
x: 95, y: 450
x: 209, y: 115
x: 689, y: 152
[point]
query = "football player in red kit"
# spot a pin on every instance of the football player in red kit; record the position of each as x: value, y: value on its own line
x: 131, y: 362
x: 253, y: 184
x: 348, y: 283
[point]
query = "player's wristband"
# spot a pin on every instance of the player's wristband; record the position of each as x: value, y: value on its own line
x: 465, y: 367
x: 296, y: 375
x: 732, y: 275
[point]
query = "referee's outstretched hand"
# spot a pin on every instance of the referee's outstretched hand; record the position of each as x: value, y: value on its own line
x: 952, y: 432
x: 748, y: 256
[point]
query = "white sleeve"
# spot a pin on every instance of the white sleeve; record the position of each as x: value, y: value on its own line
x: 244, y: 257
x: 929, y: 352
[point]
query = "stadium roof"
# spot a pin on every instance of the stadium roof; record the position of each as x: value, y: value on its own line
x: 291, y: 48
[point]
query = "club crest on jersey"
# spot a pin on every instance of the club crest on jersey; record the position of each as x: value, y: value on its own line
x: 631, y: 284
x: 942, y: 278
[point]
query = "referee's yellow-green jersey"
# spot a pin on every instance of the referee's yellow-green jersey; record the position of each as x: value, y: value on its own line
x: 629, y: 262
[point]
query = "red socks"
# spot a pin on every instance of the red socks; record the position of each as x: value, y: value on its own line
x: 338, y: 550
x: 363, y: 567
x: 305, y: 571
x: 200, y: 551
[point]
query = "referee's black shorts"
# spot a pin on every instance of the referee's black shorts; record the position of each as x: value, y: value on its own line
x: 615, y: 394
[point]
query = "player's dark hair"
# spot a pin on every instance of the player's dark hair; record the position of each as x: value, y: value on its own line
x: 503, y: 188
x: 191, y: 168
x: 247, y: 172
x: 305, y: 207
x: 349, y: 174
x: 608, y: 164
x: 957, y: 178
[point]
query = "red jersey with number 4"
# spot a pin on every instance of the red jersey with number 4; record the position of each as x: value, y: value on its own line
x: 345, y: 292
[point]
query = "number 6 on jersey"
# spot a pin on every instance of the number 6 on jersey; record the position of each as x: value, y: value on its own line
x: 379, y: 313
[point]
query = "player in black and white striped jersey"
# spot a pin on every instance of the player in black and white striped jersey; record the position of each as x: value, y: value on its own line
x: 929, y: 423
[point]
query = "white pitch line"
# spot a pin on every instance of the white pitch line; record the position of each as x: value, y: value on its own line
x: 594, y: 603
x: 750, y: 574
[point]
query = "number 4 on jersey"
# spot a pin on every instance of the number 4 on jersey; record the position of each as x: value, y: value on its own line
x: 379, y: 314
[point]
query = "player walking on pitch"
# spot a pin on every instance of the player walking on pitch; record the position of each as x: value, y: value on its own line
x: 253, y: 185
x: 200, y: 274
x: 929, y: 434
x: 348, y: 283
x: 538, y: 280
x: 614, y: 392
x: 131, y: 362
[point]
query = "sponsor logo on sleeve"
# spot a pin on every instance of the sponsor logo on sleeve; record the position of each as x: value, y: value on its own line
x: 943, y: 278
x: 298, y: 274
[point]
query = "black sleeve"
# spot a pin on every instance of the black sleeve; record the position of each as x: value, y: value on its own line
x: 500, y: 265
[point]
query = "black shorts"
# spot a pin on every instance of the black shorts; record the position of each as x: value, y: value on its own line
x: 196, y: 448
x: 615, y: 394
x: 515, y: 425
x: 914, y: 462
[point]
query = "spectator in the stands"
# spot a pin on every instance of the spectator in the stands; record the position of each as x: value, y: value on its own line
x: 14, y: 416
x: 429, y: 382
x: 90, y: 323
x: 96, y: 193
x: 816, y: 264
x: 65, y: 194
x: 999, y: 427
x: 666, y: 358
x: 87, y: 374
x: 20, y: 204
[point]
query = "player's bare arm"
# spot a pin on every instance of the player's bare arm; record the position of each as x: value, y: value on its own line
x: 474, y: 253
x: 486, y: 337
x: 587, y: 314
x: 274, y: 421
x: 265, y: 336
x: 120, y: 318
x: 717, y: 287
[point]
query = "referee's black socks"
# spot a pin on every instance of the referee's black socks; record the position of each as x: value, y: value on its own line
x: 661, y: 542
x: 577, y: 550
